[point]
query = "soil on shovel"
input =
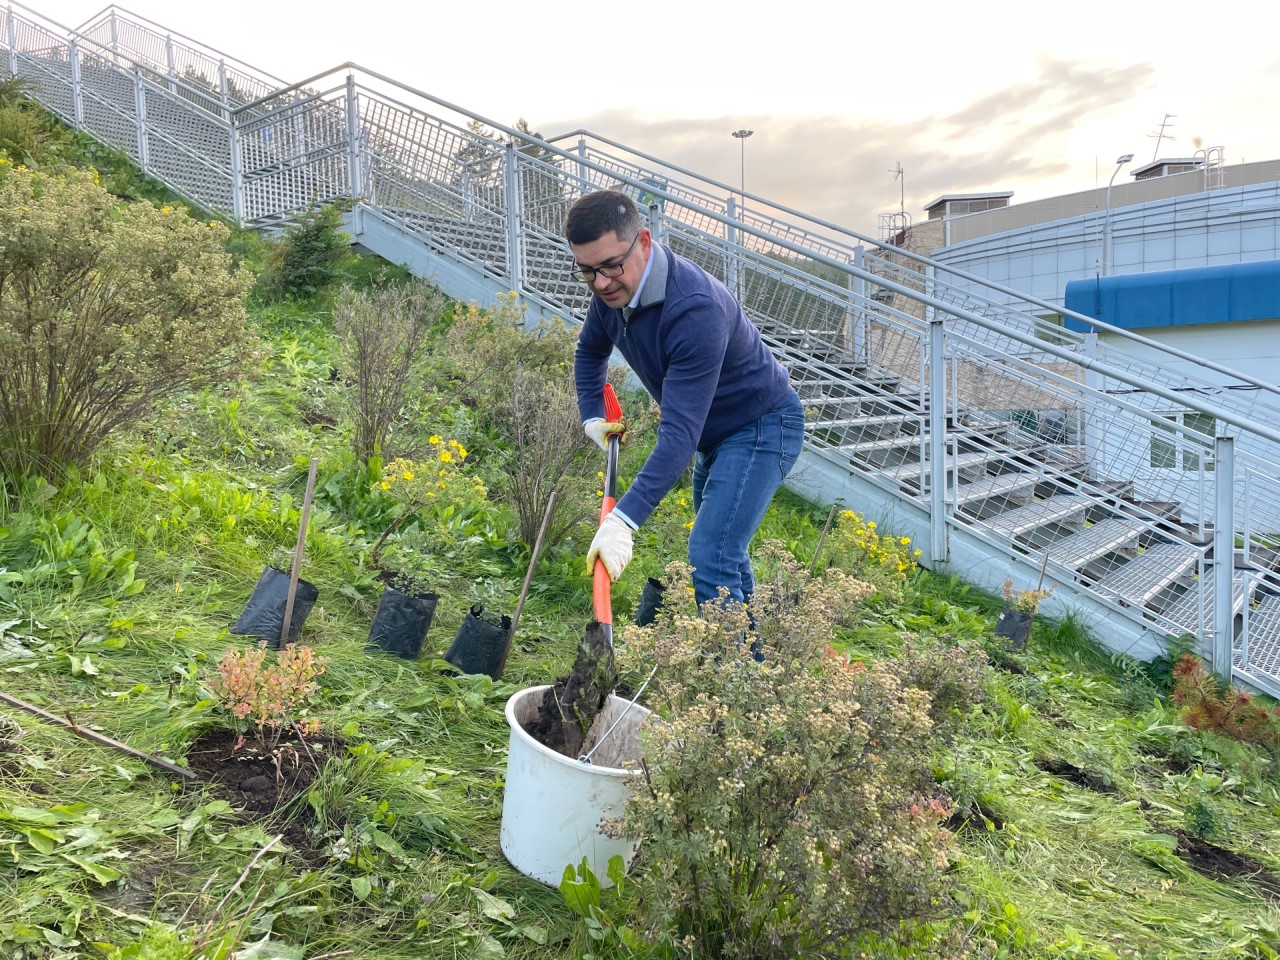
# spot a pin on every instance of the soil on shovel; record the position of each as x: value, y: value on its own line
x: 570, y: 705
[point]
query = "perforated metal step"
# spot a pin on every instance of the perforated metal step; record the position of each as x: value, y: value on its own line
x: 1061, y: 509
x: 1004, y: 487
x: 1094, y: 542
x: 1263, y: 652
x: 1187, y: 612
x: 1148, y: 574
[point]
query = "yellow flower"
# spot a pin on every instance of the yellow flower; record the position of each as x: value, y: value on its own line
x: 599, y: 493
x: 408, y: 474
x: 600, y: 474
x: 689, y: 525
x: 446, y: 456
x: 871, y: 524
x: 682, y: 501
x: 166, y: 209
x: 904, y: 540
x: 462, y: 451
x: 386, y: 485
x: 916, y: 554
x: 433, y: 440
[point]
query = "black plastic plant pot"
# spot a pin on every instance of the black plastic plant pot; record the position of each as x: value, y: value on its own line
x: 1015, y: 626
x: 650, y: 602
x: 263, y: 615
x: 401, y: 622
x: 480, y: 643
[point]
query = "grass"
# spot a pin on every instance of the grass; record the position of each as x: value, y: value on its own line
x: 1072, y: 781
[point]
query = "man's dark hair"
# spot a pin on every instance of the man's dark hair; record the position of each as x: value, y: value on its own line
x: 596, y: 214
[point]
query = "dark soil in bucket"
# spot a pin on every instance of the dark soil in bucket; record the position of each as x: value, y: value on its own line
x: 1220, y: 864
x: 1070, y: 772
x: 571, y: 704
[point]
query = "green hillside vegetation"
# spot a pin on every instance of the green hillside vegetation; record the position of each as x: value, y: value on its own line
x: 892, y: 781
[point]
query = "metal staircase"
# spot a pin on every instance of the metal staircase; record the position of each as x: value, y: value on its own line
x: 998, y: 441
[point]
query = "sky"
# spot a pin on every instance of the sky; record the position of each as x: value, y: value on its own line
x: 840, y: 95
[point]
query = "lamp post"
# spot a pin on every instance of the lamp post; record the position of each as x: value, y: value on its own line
x: 742, y: 161
x: 1106, y: 220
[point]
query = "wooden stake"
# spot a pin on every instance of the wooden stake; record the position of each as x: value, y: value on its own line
x: 528, y: 579
x: 80, y: 731
x: 297, y: 551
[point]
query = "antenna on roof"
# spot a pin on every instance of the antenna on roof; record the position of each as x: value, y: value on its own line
x: 900, y: 175
x: 1160, y: 135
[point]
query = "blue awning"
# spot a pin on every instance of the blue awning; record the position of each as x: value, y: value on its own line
x: 1169, y: 298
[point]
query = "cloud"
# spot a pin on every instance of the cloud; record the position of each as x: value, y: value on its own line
x: 841, y: 168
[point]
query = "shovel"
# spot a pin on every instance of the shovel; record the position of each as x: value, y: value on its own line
x: 601, y: 585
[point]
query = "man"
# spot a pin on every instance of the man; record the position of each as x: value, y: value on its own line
x: 726, y: 401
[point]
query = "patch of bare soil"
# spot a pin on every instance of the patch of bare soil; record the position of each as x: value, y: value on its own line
x: 1089, y: 779
x: 261, y: 785
x: 1222, y: 864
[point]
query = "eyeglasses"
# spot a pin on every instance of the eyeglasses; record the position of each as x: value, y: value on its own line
x: 607, y: 270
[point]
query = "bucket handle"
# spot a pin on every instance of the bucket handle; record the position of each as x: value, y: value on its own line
x: 586, y: 757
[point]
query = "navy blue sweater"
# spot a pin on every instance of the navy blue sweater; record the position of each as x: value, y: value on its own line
x: 696, y: 353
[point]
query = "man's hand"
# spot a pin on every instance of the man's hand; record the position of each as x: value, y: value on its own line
x: 600, y: 431
x: 612, y: 544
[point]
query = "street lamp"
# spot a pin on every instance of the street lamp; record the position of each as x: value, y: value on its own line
x: 1106, y: 221
x: 742, y: 171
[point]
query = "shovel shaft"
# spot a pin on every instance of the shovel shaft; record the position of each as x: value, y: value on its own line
x: 601, y: 584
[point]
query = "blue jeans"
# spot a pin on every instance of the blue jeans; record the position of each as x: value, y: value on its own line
x: 732, y: 488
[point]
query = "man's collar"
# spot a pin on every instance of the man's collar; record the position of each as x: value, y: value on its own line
x: 653, y: 284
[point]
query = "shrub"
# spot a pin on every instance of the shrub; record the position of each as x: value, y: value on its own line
x: 547, y: 449
x: 1209, y: 704
x: 306, y: 260
x: 104, y: 307
x: 266, y: 698
x: 785, y: 804
x: 482, y: 351
x: 855, y: 546
x: 381, y: 336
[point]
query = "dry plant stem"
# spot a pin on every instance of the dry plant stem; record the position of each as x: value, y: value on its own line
x: 817, y: 550
x: 97, y: 737
x: 377, y: 546
x: 243, y: 874
x: 1043, y: 567
x: 203, y: 889
x: 528, y: 579
x: 297, y: 550
x: 305, y: 746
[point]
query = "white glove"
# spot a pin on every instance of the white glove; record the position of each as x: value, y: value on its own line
x: 600, y: 431
x: 612, y: 544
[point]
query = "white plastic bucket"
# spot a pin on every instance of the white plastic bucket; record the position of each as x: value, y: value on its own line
x: 552, y: 805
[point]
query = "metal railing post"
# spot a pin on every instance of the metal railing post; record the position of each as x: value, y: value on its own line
x: 140, y: 115
x: 1092, y: 383
x: 168, y: 64
x: 223, y: 91
x: 514, y: 251
x: 937, y: 440
x: 77, y: 92
x: 354, y: 179
x: 1224, y: 552
x: 856, y: 315
x: 655, y: 222
x: 12, y: 34
x: 237, y: 177
x: 582, y: 155
x: 730, y: 254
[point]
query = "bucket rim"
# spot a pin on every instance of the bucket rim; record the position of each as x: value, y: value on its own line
x: 519, y: 732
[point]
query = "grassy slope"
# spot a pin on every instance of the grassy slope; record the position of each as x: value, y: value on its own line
x: 94, y: 844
